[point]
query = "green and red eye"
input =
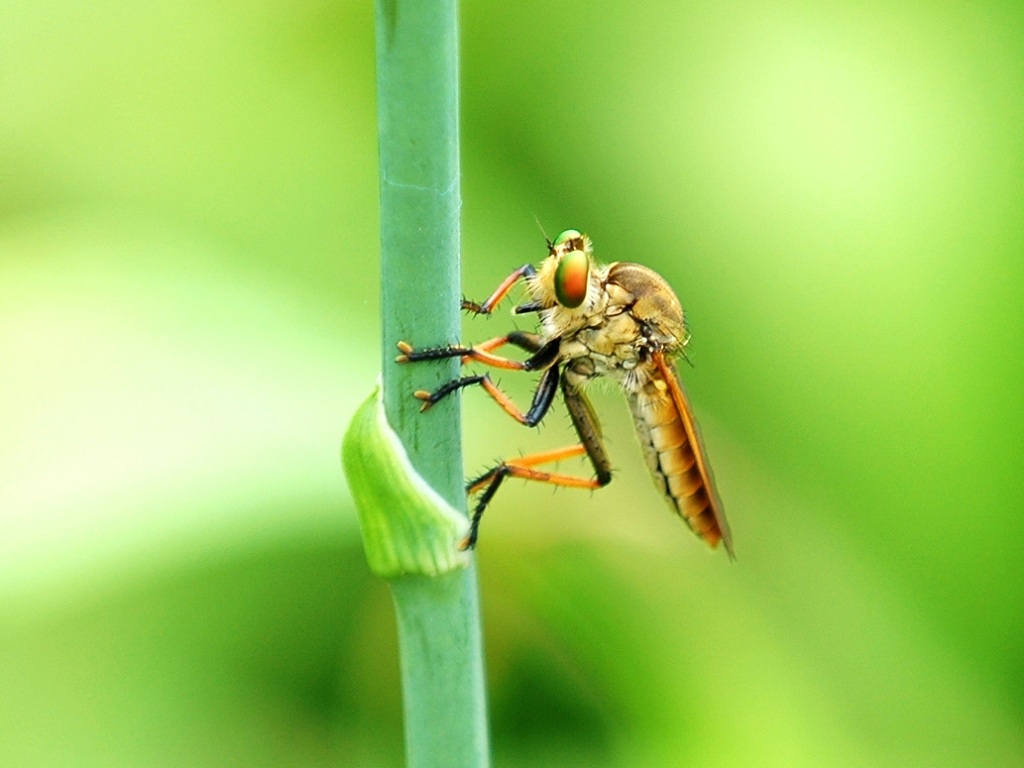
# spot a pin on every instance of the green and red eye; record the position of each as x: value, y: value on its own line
x: 572, y: 275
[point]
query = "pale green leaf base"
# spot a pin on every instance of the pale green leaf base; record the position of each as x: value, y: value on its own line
x: 407, y: 527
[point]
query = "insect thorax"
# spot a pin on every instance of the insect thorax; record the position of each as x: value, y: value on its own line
x: 609, y: 340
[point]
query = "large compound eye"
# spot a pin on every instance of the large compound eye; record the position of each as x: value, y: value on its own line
x: 572, y: 275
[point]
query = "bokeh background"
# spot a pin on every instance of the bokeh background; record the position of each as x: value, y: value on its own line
x: 189, y: 316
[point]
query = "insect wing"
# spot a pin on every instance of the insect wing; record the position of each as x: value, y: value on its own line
x: 677, y: 394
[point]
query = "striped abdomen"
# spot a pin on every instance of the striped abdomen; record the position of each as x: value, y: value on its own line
x: 675, y: 454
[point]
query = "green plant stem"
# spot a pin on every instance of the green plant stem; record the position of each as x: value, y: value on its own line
x: 438, y: 617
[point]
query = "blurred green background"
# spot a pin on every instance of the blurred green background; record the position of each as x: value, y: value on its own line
x: 189, y: 316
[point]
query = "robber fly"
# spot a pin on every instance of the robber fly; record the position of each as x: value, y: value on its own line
x: 618, y: 320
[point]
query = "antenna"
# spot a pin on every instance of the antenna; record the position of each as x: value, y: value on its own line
x: 541, y: 228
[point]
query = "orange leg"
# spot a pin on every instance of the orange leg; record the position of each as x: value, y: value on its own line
x: 500, y: 292
x: 480, y: 352
x: 543, y: 358
x: 523, y: 468
x: 543, y: 396
x: 496, y: 343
